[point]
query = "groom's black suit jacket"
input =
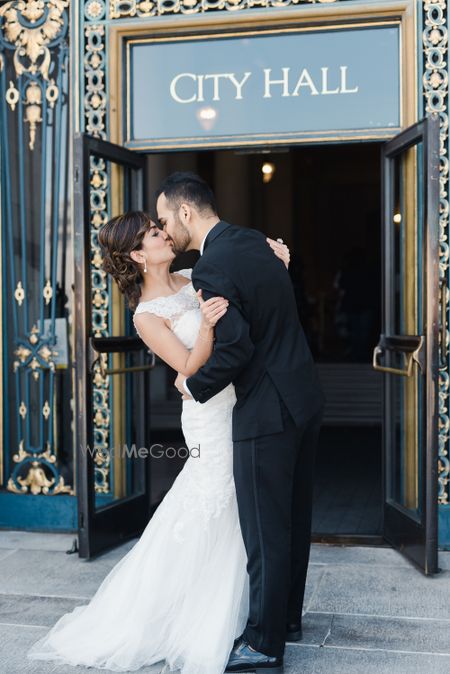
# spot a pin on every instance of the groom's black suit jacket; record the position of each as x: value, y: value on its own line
x: 260, y: 344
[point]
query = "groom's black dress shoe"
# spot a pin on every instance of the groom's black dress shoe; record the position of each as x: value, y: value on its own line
x: 293, y: 631
x: 244, y: 659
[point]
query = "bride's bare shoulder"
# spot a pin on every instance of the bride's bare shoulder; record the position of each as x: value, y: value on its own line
x: 147, y: 321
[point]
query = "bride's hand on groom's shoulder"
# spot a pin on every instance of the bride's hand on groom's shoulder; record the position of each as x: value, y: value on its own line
x: 212, y: 309
x: 280, y: 249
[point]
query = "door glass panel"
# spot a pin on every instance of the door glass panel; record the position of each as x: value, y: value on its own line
x: 119, y: 471
x: 406, y: 318
x: 408, y: 350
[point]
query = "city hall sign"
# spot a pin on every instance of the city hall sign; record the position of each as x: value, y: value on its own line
x: 219, y: 85
x: 265, y: 87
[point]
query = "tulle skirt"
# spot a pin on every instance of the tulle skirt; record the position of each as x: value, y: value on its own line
x: 180, y: 595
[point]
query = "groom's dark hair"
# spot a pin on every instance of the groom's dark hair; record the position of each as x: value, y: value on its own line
x: 189, y: 187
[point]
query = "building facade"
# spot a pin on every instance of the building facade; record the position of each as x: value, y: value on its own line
x: 99, y: 100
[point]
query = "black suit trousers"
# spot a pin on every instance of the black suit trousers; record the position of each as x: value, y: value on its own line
x: 274, y: 485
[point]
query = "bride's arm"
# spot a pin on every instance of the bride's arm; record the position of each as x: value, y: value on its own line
x: 158, y: 336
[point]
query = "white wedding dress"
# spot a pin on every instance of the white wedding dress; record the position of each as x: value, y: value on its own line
x: 179, y: 597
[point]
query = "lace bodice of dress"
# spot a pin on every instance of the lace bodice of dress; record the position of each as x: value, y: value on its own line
x: 181, y: 308
x: 208, y: 483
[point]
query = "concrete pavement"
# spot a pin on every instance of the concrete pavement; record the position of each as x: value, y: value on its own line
x: 368, y: 611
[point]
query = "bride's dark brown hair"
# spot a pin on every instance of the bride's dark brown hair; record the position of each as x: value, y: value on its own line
x: 117, y: 238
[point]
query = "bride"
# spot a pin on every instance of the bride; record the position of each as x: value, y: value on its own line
x: 180, y: 595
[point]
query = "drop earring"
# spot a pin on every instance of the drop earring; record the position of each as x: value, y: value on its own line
x: 145, y: 268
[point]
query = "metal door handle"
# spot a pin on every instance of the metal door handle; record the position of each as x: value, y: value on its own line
x: 134, y: 368
x: 412, y: 355
x: 100, y: 361
x: 115, y: 344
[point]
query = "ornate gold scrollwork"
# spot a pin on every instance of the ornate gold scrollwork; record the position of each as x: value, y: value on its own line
x: 119, y: 9
x: 36, y: 480
x: 19, y: 293
x: 23, y: 354
x: 12, y: 96
x: 35, y: 364
x: 46, y: 410
x: 48, y: 292
x: 435, y: 92
x: 33, y: 96
x: 30, y: 26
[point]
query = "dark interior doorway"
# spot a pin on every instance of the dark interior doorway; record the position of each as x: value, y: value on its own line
x: 324, y: 201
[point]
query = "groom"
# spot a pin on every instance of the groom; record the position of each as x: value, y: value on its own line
x: 260, y: 346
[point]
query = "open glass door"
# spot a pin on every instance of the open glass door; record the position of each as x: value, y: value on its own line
x: 112, y: 363
x: 408, y: 348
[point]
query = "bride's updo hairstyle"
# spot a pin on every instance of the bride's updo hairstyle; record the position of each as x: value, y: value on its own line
x: 117, y: 238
